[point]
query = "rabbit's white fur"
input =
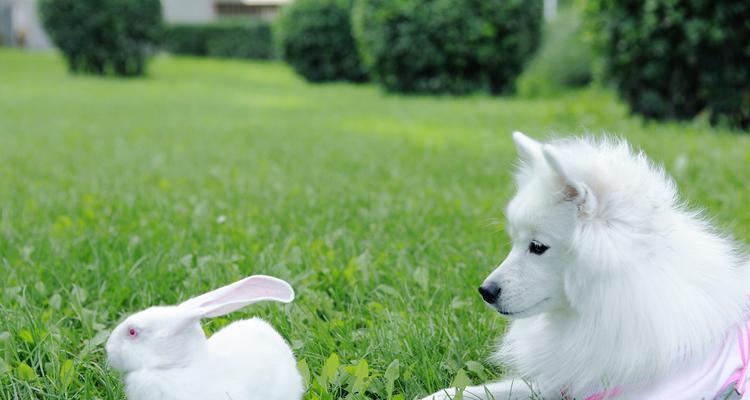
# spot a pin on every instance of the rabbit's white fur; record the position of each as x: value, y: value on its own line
x: 632, y: 287
x: 170, y: 357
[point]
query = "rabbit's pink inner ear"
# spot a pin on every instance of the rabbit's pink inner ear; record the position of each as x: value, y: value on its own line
x: 268, y: 287
x: 239, y: 294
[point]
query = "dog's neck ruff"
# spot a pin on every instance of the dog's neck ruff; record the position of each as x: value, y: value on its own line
x: 727, y: 369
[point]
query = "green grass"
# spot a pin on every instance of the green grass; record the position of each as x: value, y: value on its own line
x: 384, y: 212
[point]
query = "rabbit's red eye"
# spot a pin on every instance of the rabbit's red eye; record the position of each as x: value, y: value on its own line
x: 132, y: 332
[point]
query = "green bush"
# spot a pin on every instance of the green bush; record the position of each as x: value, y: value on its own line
x: 232, y: 39
x: 186, y: 39
x: 316, y: 40
x: 454, y: 46
x: 103, y: 36
x: 673, y: 59
x: 564, y: 60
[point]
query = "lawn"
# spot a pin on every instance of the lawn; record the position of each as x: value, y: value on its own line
x: 383, y: 211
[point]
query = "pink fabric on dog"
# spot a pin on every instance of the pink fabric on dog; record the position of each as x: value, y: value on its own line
x: 725, y: 370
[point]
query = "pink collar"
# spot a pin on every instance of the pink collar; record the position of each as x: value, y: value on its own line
x: 725, y: 363
x: 739, y: 378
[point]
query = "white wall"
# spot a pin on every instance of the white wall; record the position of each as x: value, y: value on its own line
x: 6, y: 24
x: 188, y: 10
x: 25, y: 22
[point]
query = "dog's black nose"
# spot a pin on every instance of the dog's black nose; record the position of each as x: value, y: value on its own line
x: 490, y: 292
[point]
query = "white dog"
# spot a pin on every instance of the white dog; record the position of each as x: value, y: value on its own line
x: 614, y: 288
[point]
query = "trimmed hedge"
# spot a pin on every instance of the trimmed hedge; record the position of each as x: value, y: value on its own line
x: 316, y: 40
x: 230, y: 39
x: 453, y: 46
x: 103, y: 36
x: 673, y: 59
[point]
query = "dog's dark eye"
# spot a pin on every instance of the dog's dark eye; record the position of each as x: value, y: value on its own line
x: 537, y: 248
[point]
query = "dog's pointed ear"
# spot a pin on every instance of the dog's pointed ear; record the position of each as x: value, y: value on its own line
x: 573, y: 189
x: 528, y: 149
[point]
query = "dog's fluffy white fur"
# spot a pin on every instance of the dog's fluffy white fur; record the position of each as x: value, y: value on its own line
x: 631, y: 286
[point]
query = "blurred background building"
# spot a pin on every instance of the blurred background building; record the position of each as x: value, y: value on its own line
x: 20, y: 25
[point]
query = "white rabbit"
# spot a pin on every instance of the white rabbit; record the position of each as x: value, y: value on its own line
x: 164, y: 353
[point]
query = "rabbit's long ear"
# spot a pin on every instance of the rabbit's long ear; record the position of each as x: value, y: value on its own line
x: 239, y: 294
